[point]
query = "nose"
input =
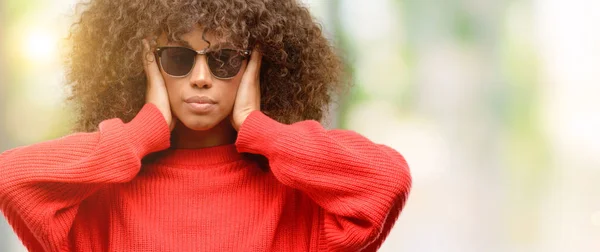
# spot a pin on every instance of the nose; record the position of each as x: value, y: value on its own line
x: 200, y: 76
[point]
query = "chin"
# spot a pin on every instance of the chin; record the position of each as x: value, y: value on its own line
x: 199, y: 125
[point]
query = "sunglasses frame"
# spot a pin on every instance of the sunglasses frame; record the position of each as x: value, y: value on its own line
x: 157, y: 52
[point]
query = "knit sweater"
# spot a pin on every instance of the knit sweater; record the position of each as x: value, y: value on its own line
x: 323, y: 190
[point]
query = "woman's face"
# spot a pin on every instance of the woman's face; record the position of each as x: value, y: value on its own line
x: 200, y: 83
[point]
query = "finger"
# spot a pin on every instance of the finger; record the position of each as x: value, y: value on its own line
x: 255, y: 62
x: 150, y: 65
x: 257, y: 71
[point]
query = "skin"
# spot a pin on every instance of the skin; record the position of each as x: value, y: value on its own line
x: 235, y: 98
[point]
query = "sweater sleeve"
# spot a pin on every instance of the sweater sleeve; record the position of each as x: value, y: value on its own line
x: 360, y: 185
x: 42, y: 185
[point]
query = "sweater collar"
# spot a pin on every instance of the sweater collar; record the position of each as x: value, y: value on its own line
x: 199, y: 157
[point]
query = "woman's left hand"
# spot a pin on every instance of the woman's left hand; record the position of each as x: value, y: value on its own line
x: 247, y: 99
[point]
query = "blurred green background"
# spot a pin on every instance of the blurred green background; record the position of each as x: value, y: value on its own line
x: 493, y: 103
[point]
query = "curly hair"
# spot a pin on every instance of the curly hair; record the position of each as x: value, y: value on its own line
x: 300, y: 70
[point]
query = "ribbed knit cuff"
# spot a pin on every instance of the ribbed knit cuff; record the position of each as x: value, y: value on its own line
x: 258, y: 134
x: 148, y: 132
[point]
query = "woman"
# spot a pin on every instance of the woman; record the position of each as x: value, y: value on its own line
x: 198, y: 131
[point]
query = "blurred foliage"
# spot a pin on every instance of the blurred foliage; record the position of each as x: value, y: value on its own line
x: 489, y: 128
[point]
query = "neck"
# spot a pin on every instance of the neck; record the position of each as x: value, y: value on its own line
x: 183, y: 137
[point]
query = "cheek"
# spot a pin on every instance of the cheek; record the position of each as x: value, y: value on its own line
x: 174, y: 92
x: 234, y: 84
x: 230, y: 88
x: 229, y: 95
x: 172, y: 84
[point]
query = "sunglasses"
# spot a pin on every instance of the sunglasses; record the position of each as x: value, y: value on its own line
x: 179, y: 61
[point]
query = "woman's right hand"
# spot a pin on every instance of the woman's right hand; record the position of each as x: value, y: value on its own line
x: 156, y: 92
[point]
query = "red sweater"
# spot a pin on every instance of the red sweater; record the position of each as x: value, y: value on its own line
x: 324, y: 190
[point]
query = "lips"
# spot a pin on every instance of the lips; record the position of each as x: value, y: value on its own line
x: 200, y: 104
x: 200, y: 100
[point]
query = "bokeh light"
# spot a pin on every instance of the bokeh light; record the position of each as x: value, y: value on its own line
x: 40, y: 45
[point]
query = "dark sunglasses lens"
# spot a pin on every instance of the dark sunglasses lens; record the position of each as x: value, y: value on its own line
x: 225, y: 63
x: 177, y: 61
